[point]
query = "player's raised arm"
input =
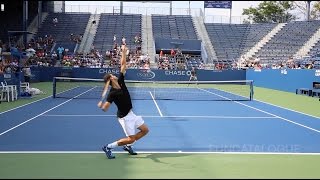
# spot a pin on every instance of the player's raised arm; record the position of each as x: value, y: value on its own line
x: 123, y: 59
x: 104, y: 93
x: 105, y: 90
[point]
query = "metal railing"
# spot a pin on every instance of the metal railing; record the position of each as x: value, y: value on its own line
x: 208, y: 18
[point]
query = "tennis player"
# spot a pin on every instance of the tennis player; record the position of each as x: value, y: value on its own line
x: 193, y: 76
x: 130, y: 122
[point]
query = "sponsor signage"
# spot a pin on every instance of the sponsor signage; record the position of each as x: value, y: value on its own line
x: 218, y: 4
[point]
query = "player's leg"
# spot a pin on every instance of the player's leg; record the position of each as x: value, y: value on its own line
x: 123, y: 125
x: 136, y: 123
x: 128, y: 140
x: 128, y: 126
x: 140, y: 125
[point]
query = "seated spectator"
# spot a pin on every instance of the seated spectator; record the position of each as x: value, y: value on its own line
x: 55, y: 21
x: 30, y: 52
x: 173, y: 53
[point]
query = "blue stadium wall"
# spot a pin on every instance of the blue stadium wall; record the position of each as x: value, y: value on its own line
x: 284, y: 79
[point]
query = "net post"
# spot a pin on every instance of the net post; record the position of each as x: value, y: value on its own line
x: 251, y: 90
x: 54, y: 88
x: 154, y: 89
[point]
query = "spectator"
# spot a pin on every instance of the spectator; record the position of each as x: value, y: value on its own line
x: 172, y: 52
x: 114, y: 38
x: 26, y: 73
x: 55, y: 21
x: 60, y: 51
x: 30, y: 52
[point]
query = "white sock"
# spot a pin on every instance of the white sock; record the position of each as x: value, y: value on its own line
x: 130, y: 144
x: 112, y: 145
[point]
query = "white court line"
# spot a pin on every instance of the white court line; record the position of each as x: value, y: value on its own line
x: 24, y: 105
x: 33, y: 102
x: 41, y: 113
x: 276, y: 106
x: 155, y: 152
x: 156, y: 104
x: 288, y: 109
x: 265, y: 112
x: 213, y: 117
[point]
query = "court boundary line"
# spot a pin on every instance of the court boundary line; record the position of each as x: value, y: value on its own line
x: 220, y: 90
x: 288, y: 109
x: 33, y: 102
x: 158, y: 152
x: 210, y: 117
x: 14, y: 127
x: 24, y: 105
x: 274, y: 104
x: 318, y: 131
x: 155, y: 102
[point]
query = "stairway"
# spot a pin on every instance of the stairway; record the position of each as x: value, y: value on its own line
x: 89, y: 34
x: 263, y: 41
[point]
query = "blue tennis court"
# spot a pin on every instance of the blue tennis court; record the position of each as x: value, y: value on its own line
x: 62, y: 124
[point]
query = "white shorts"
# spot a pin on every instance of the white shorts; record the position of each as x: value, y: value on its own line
x: 194, y: 78
x: 130, y: 123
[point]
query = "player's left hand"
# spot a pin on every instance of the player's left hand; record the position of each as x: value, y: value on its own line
x: 124, y: 48
x: 104, y: 107
x: 100, y: 104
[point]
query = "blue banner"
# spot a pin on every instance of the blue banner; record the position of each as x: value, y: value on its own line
x: 47, y: 74
x: 187, y: 46
x: 218, y: 4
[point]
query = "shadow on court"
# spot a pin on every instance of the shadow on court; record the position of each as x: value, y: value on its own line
x: 162, y: 158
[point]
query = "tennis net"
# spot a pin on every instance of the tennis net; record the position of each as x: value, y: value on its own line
x: 83, y: 88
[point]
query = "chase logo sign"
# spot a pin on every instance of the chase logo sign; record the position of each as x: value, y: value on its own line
x: 112, y: 71
x: 177, y: 73
x: 146, y: 74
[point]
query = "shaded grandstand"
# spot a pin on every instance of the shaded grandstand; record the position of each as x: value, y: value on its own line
x: 230, y: 41
x: 68, y: 23
x: 173, y: 27
x: 287, y: 41
x: 126, y: 25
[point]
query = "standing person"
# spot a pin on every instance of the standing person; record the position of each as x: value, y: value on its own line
x: 114, y: 39
x: 130, y: 122
x: 26, y: 73
x: 193, y: 76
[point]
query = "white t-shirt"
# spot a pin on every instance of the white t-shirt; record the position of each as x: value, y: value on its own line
x: 27, y: 71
